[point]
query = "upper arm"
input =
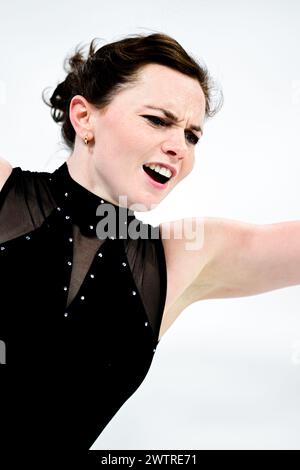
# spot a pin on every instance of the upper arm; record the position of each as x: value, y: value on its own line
x: 233, y: 264
x: 5, y: 171
x: 236, y: 259
x: 205, y: 265
x: 217, y: 264
x: 248, y: 259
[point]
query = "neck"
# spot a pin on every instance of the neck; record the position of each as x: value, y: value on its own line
x: 82, y: 170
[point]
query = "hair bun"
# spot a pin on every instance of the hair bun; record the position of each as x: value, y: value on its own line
x: 74, y: 63
x: 58, y: 101
x: 64, y: 91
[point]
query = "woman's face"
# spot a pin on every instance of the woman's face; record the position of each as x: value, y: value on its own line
x: 125, y: 140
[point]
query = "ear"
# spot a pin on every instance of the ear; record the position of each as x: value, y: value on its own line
x: 80, y: 111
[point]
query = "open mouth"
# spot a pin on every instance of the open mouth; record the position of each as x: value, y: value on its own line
x: 158, y: 177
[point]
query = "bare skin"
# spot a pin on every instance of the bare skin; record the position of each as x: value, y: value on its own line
x: 5, y: 171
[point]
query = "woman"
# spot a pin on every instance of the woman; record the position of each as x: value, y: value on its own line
x: 88, y: 289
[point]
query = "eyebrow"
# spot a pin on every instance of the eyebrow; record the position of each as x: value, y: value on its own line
x: 174, y: 118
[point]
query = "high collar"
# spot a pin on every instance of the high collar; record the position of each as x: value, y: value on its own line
x: 80, y: 204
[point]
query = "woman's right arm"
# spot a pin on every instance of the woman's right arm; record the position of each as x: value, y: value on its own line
x: 5, y: 171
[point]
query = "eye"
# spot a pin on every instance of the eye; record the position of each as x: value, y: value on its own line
x: 194, y: 138
x: 160, y: 122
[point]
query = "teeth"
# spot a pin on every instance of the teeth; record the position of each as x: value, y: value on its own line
x: 160, y: 169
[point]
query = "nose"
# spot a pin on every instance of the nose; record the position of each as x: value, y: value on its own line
x: 176, y: 146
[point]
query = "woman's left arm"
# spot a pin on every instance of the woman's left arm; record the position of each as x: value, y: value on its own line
x: 247, y: 259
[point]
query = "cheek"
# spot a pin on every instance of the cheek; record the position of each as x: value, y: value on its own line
x: 187, y: 166
x: 128, y: 146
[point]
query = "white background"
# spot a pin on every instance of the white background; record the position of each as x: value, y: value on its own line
x: 226, y: 375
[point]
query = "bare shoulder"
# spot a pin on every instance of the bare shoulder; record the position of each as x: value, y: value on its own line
x: 187, y: 245
x: 5, y: 171
x: 193, y: 248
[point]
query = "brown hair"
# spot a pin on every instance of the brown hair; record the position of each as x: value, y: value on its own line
x: 114, y: 66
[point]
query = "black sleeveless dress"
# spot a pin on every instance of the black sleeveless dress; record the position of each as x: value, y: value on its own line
x: 79, y: 316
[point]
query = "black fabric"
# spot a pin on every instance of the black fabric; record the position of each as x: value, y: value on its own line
x: 80, y: 316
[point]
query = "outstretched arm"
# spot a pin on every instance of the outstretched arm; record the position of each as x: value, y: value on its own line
x: 248, y: 259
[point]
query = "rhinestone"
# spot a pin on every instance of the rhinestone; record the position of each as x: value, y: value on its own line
x: 70, y: 239
x: 50, y: 179
x: 82, y: 297
x: 102, y: 201
x: 133, y: 292
x: 91, y: 227
x: 66, y: 314
x: 58, y: 208
x: 65, y: 288
x: 66, y: 194
x: 123, y: 264
x: 28, y: 237
x: 69, y: 263
x: 146, y: 323
x: 100, y: 254
x: 67, y: 216
x: 92, y: 276
x: 2, y: 248
x: 154, y: 349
